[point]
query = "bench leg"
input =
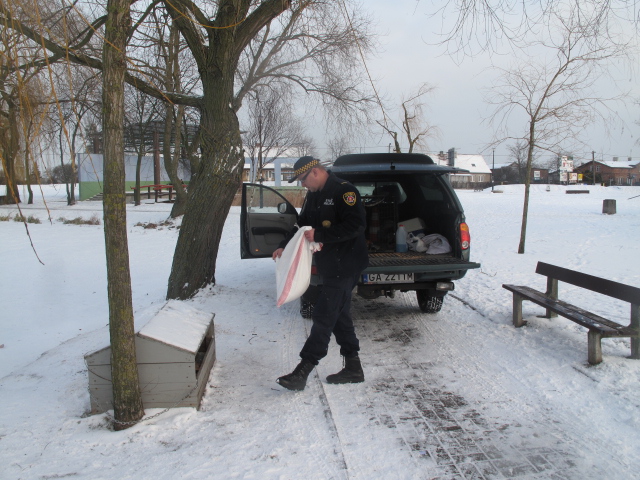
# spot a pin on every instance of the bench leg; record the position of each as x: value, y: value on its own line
x: 595, y: 347
x: 517, y: 311
x: 552, y: 291
x: 635, y: 323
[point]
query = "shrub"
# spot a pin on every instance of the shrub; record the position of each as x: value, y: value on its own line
x: 29, y: 219
x: 94, y: 220
x: 5, y: 218
x: 64, y: 174
x: 150, y: 225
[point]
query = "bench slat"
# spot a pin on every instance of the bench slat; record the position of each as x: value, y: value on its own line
x: 610, y: 288
x: 585, y: 318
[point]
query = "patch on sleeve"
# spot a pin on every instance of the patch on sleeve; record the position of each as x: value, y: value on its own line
x: 349, y: 198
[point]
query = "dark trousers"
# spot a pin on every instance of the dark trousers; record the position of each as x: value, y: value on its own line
x: 332, y: 314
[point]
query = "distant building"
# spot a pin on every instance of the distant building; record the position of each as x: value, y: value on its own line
x: 277, y: 172
x: 514, y: 173
x: 479, y: 175
x: 610, y: 172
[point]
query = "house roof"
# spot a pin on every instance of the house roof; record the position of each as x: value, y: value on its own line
x: 618, y: 163
x: 474, y: 163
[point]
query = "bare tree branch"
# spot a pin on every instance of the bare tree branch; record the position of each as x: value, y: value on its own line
x: 556, y: 97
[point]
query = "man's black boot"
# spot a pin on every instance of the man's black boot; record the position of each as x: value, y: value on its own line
x: 351, y: 373
x: 297, y: 379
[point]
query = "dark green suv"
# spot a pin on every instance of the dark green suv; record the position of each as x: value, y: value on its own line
x: 396, y: 188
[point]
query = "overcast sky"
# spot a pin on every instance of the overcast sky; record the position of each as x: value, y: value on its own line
x: 409, y: 56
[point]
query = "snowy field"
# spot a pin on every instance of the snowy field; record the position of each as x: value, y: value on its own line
x: 460, y: 394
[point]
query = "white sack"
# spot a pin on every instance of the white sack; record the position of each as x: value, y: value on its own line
x: 436, y: 244
x: 429, y: 244
x: 293, y: 268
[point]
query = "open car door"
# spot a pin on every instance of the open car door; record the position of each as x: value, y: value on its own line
x: 265, y: 219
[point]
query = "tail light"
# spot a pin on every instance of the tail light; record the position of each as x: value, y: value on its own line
x: 314, y: 270
x: 465, y: 237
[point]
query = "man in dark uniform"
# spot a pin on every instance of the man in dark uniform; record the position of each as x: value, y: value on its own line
x: 335, y: 212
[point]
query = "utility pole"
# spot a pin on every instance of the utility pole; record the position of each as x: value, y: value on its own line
x: 593, y: 166
x: 493, y: 170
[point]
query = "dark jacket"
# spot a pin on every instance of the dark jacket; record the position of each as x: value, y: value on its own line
x: 337, y: 214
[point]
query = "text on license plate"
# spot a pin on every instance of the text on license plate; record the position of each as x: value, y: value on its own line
x: 387, y: 278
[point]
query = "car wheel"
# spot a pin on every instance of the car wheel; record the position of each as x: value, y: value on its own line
x: 429, y: 303
x: 306, y: 309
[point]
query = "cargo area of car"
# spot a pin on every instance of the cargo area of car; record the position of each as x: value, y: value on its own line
x: 420, y: 204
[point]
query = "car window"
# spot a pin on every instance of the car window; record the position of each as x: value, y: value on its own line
x: 262, y: 200
x: 365, y: 188
x: 431, y: 187
x: 392, y: 191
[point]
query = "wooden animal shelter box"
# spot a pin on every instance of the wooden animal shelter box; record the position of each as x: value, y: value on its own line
x: 175, y: 352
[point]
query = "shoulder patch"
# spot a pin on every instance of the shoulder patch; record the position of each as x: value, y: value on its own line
x: 350, y: 198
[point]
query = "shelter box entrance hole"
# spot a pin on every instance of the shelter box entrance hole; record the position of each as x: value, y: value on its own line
x: 175, y: 352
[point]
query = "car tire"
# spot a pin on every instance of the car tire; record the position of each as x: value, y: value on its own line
x: 306, y: 308
x: 429, y: 303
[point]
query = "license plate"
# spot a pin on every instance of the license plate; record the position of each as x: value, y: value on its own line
x: 388, y: 278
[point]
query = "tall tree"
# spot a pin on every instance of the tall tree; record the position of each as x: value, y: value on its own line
x: 518, y: 153
x: 216, y: 182
x: 317, y: 58
x: 76, y: 96
x: 555, y: 95
x: 21, y: 98
x: 271, y: 130
x: 338, y: 146
x: 127, y: 402
x: 413, y: 124
x: 140, y: 112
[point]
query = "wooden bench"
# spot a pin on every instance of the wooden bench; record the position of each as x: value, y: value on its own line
x: 598, y: 326
x: 158, y: 190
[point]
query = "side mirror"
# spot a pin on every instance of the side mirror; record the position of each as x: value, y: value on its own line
x: 282, y: 207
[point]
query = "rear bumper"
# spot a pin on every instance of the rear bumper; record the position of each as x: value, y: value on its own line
x: 428, y: 270
x: 431, y: 266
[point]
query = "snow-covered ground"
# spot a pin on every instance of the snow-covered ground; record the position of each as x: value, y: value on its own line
x: 460, y: 394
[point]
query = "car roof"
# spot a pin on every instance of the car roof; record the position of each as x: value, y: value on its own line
x: 365, y: 163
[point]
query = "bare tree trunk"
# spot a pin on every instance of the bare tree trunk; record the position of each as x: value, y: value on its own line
x: 28, y: 173
x: 171, y: 159
x: 66, y: 179
x: 74, y: 136
x: 127, y: 402
x: 215, y: 185
x: 136, y: 191
x: 171, y: 163
x: 527, y: 184
x: 180, y: 203
x: 10, y: 155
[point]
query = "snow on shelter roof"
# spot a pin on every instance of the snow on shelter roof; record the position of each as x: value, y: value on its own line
x: 179, y: 325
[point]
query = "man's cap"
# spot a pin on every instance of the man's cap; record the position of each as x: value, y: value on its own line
x: 302, y: 166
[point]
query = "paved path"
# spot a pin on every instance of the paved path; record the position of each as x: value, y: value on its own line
x: 435, y: 413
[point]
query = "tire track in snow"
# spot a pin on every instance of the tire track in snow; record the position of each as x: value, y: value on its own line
x: 444, y: 433
x: 313, y: 417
